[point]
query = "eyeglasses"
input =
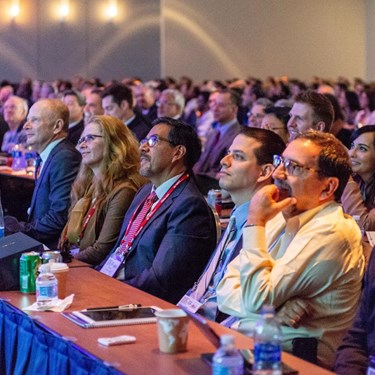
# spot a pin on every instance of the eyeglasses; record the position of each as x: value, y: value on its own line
x: 153, y: 140
x: 88, y: 138
x: 291, y: 167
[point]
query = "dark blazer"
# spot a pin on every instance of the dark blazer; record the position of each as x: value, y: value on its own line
x: 51, y: 197
x: 140, y: 126
x: 209, y: 162
x: 74, y: 133
x: 359, y: 342
x: 173, y: 248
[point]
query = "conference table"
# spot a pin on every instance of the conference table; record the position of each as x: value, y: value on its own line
x: 93, y: 289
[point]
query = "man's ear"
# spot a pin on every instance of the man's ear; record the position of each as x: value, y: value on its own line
x: 179, y: 153
x: 124, y: 105
x: 58, y: 126
x: 331, y: 185
x: 320, y: 126
x: 265, y: 172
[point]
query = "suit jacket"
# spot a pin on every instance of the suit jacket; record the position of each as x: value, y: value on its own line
x: 209, y: 162
x: 359, y: 342
x: 173, y: 248
x: 140, y: 126
x: 51, y: 197
x: 74, y: 133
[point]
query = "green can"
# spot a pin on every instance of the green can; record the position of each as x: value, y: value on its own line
x: 29, y: 264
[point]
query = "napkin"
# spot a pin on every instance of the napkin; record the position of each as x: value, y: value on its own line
x: 57, y: 305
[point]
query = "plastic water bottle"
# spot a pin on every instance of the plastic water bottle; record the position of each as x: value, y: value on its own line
x: 18, y: 161
x: 30, y: 158
x: 267, y: 344
x: 2, y: 231
x: 46, y: 286
x: 227, y: 360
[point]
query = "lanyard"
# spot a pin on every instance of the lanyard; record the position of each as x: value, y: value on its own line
x: 129, y: 242
x: 87, y: 219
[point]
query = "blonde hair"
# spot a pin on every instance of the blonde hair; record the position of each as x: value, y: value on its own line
x: 121, y: 162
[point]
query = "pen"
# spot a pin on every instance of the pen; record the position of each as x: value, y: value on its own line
x: 129, y: 307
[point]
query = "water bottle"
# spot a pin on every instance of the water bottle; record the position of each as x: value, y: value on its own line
x: 46, y: 286
x: 267, y: 344
x: 2, y: 231
x: 18, y: 161
x: 30, y: 159
x: 227, y: 360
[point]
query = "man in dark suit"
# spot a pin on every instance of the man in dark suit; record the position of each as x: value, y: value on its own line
x: 118, y: 102
x: 46, y: 129
x: 75, y: 103
x: 219, y: 139
x: 164, y: 252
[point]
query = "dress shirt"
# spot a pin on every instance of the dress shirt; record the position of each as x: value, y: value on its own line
x: 223, y: 128
x: 45, y: 153
x: 316, y: 256
x: 208, y: 300
x: 129, y: 120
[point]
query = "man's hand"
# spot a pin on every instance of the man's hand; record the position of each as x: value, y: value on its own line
x: 294, y: 311
x: 265, y: 205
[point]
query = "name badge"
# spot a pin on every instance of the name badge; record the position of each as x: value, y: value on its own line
x: 112, y: 264
x: 189, y: 303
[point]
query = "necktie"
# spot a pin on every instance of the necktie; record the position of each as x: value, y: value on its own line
x: 38, y: 166
x: 216, y: 261
x: 150, y: 200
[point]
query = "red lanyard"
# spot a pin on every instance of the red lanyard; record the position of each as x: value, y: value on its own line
x: 87, y: 219
x: 130, y: 241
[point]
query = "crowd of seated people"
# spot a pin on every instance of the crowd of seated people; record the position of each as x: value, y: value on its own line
x: 289, y: 241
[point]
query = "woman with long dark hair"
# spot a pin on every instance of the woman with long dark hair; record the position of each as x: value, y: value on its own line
x: 359, y: 195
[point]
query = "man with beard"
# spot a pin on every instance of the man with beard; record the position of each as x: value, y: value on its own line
x: 168, y: 233
x: 298, y: 244
x: 310, y: 111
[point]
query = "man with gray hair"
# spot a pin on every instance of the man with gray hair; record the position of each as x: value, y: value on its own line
x: 15, y: 112
x: 171, y: 104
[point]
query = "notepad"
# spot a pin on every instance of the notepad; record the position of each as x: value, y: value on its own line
x: 110, y: 318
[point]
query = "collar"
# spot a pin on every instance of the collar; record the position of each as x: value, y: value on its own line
x: 129, y: 120
x: 73, y: 124
x: 165, y: 186
x: 45, y: 153
x: 223, y: 128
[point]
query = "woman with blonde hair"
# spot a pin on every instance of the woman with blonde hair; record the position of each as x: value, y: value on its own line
x: 103, y: 190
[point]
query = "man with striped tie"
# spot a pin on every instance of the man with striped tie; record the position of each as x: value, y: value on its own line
x: 244, y: 170
x: 168, y: 233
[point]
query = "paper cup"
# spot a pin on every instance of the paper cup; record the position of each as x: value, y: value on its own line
x: 60, y: 270
x: 172, y: 330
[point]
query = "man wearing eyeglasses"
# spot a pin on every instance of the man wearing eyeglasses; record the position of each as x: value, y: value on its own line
x: 299, y: 246
x: 168, y: 233
x: 46, y: 130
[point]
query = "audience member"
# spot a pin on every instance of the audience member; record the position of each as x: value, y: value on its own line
x: 257, y: 112
x: 244, y: 170
x: 353, y: 355
x: 75, y: 103
x: 146, y: 103
x: 171, y: 104
x: 298, y: 244
x: 224, y: 108
x: 164, y: 252
x: 310, y: 111
x: 366, y: 116
x: 359, y: 195
x: 276, y: 119
x: 103, y: 190
x: 93, y: 105
x: 204, y: 116
x: 339, y: 127
x: 15, y: 112
x: 118, y: 102
x: 46, y: 130
x: 349, y: 103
